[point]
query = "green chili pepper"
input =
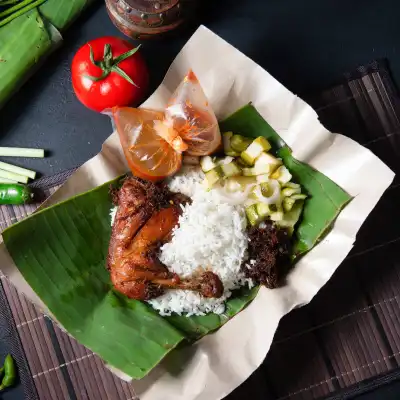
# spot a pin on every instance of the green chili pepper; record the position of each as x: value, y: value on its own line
x: 10, y: 373
x: 14, y: 193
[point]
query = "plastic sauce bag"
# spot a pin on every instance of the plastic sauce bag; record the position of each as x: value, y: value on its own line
x: 153, y: 141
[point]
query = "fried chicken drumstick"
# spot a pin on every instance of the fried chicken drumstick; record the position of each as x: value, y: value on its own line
x: 141, y: 226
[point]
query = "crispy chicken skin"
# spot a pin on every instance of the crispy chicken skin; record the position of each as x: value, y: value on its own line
x: 146, y: 216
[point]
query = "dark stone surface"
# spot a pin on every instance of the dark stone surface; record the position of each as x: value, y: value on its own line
x: 307, y: 45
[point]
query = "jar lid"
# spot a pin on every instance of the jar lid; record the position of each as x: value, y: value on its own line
x: 143, y: 18
x: 152, y: 6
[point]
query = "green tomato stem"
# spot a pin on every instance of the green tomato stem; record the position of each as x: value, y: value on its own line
x: 109, y: 64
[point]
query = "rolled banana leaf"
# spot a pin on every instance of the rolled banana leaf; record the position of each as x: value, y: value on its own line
x: 26, y: 41
x: 61, y: 13
x: 61, y: 252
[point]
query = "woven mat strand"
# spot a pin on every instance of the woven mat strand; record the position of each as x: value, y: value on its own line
x: 351, y: 330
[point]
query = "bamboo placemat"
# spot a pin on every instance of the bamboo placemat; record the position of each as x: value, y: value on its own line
x: 348, y: 333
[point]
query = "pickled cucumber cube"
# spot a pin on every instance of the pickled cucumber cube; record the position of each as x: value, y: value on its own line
x: 292, y: 185
x: 262, y: 178
x: 282, y: 175
x: 288, y: 203
x: 212, y: 177
x: 287, y: 192
x: 226, y: 140
x: 254, y: 150
x: 299, y: 196
x: 276, y: 216
x: 207, y: 163
x: 256, y: 170
x: 224, y: 160
x: 276, y: 207
x: 231, y: 169
x: 252, y: 215
x: 263, y: 210
x: 240, y: 143
x: 237, y: 183
x: 266, y: 158
x: 291, y: 218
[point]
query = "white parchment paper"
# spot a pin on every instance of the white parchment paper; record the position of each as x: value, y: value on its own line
x: 219, y: 362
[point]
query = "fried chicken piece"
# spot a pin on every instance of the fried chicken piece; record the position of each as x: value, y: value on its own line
x: 139, y: 229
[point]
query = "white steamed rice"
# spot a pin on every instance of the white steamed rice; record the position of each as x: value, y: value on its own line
x: 211, y: 234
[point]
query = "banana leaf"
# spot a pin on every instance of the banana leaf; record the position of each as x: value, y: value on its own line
x: 61, y: 251
x: 23, y: 43
x: 326, y: 199
x: 26, y: 41
x: 61, y: 13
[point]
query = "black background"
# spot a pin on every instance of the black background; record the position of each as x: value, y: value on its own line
x: 306, y: 44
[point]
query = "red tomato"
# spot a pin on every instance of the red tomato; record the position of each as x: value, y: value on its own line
x: 108, y: 82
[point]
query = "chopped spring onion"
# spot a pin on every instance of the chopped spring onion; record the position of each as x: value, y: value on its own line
x: 17, y: 170
x: 21, y: 152
x: 13, y: 176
